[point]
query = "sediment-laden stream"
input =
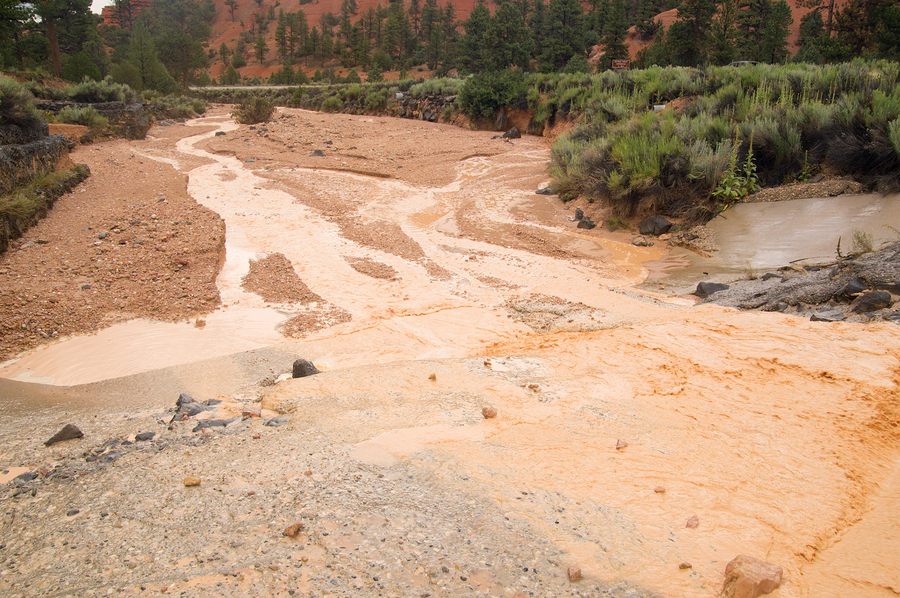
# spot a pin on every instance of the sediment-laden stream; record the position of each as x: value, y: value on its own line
x: 426, y: 296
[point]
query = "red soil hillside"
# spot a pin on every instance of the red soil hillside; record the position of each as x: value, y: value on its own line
x: 635, y: 45
x: 226, y: 30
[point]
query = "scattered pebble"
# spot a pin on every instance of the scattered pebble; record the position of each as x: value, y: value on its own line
x: 72, y: 513
x: 693, y: 522
x: 488, y: 412
x: 620, y: 444
x: 574, y: 573
x: 685, y: 566
x: 432, y: 377
x: 659, y: 490
x: 189, y: 481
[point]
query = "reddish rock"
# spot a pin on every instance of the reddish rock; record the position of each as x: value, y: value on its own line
x: 659, y: 490
x: 749, y: 577
x: 685, y: 566
x: 488, y: 412
x: 291, y: 531
x: 432, y: 377
x: 256, y: 437
x: 250, y: 411
x: 693, y: 522
x: 620, y: 444
x: 574, y: 573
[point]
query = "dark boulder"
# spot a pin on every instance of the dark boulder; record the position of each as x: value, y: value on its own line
x: 187, y: 406
x: 546, y: 191
x: 144, y: 436
x: 303, y: 368
x: 872, y: 302
x: 317, y: 153
x: 854, y: 287
x: 771, y: 275
x: 579, y: 214
x: 68, y: 432
x: 705, y: 289
x: 654, y: 225
x: 513, y: 133
x: 586, y: 223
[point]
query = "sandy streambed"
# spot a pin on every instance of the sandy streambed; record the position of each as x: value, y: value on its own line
x: 434, y: 283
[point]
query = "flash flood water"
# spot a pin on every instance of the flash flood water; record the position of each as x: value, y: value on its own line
x: 778, y: 434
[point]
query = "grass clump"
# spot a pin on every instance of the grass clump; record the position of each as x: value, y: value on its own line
x: 107, y: 90
x: 252, y: 111
x: 172, y: 106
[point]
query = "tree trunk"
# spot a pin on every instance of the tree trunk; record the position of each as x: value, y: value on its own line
x: 828, y: 22
x: 54, y: 48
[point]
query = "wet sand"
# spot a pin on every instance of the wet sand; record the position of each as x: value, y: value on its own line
x: 779, y: 434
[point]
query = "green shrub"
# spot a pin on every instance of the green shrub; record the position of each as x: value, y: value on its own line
x: 332, y: 104
x: 253, y: 110
x: 484, y: 94
x: 107, y: 90
x: 86, y: 116
x: 17, y: 104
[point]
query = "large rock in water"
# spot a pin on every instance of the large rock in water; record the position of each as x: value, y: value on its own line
x: 749, y: 577
x: 654, y: 225
x: 303, y: 368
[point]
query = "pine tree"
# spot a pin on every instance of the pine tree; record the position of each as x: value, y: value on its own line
x: 614, y: 35
x: 281, y: 38
x: 724, y: 29
x: 415, y: 13
x: 537, y: 23
x: 232, y: 6
x: 774, y: 47
x: 471, y: 54
x: 261, y: 48
x: 688, y: 36
x: 507, y: 42
x: 449, y: 34
x: 646, y: 24
x: 225, y: 53
x: 565, y: 34
x: 182, y: 28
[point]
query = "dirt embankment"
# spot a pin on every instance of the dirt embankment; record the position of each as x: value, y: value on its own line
x: 128, y: 242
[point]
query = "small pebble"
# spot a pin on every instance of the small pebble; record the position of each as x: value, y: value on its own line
x: 620, y: 444
x: 659, y: 490
x: 488, y: 412
x: 574, y: 573
x: 72, y: 513
x: 256, y: 437
x: 432, y: 377
x: 189, y: 481
x: 693, y: 522
x: 685, y: 566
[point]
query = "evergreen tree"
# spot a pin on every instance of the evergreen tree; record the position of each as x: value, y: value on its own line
x: 774, y: 47
x: 224, y: 53
x: 126, y: 12
x: 231, y: 76
x: 281, y: 38
x: 182, y: 28
x: 724, y: 29
x: 448, y: 33
x: 614, y: 35
x: 260, y: 48
x: 471, y: 55
x: 415, y: 12
x: 537, y: 23
x: 887, y: 38
x: 143, y: 55
x: 54, y: 13
x: 646, y: 24
x: 507, y: 42
x: 564, y: 34
x: 232, y: 6
x: 688, y: 36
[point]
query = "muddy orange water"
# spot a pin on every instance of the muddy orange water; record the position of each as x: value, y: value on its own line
x: 778, y: 433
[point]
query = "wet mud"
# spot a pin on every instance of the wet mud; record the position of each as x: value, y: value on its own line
x: 621, y: 413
